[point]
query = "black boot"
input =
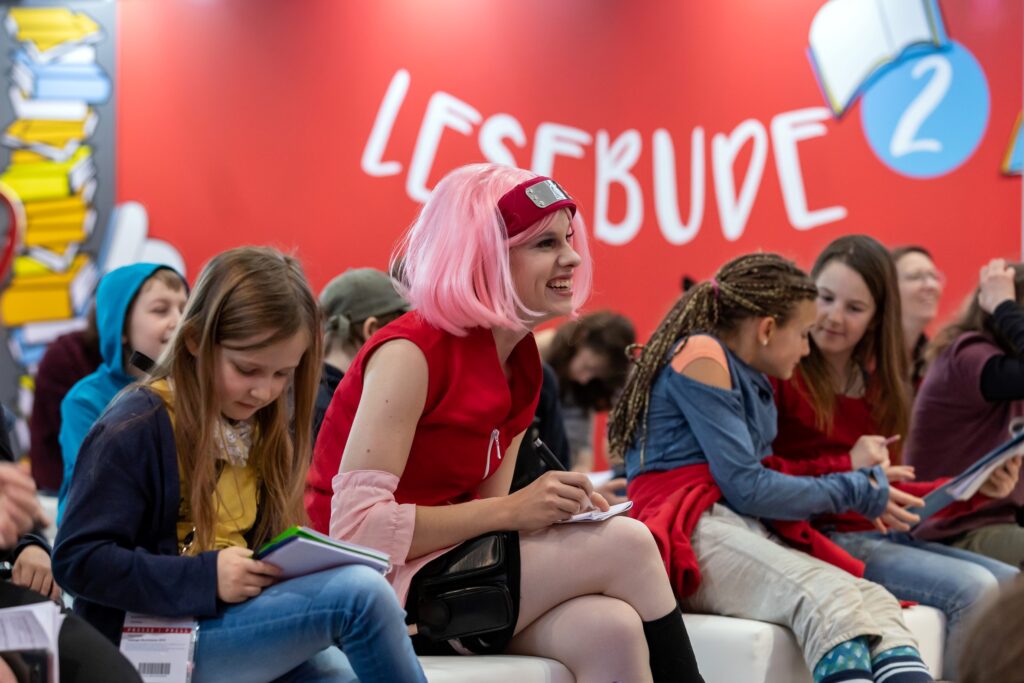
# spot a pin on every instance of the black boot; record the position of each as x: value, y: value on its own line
x: 672, y: 658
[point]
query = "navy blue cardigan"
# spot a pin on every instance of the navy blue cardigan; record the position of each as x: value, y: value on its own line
x: 117, y: 549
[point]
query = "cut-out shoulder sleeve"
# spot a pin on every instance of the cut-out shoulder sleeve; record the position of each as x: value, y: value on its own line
x: 697, y: 347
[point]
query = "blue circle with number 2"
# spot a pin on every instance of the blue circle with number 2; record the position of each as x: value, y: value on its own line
x: 926, y: 116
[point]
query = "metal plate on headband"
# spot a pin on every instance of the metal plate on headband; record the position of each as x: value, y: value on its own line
x: 546, y: 193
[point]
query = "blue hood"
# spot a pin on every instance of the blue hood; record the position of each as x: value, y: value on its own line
x: 113, y: 298
x: 88, y: 398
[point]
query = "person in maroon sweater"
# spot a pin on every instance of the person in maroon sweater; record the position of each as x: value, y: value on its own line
x: 970, y: 401
x: 847, y: 405
x: 68, y: 359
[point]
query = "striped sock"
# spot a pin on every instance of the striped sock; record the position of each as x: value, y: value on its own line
x: 848, y: 662
x: 900, y: 665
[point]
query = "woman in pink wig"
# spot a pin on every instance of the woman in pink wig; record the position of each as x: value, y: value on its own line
x: 419, y: 444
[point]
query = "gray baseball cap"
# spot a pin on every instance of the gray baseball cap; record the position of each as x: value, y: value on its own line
x: 358, y: 294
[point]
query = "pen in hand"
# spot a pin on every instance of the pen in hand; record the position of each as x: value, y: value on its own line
x: 551, y: 461
x: 547, y: 456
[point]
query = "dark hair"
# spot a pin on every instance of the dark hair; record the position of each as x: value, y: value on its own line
x: 975, y: 319
x: 881, y: 353
x: 755, y: 285
x: 605, y: 333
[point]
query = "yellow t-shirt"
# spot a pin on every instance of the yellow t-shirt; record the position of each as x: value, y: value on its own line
x: 236, y: 496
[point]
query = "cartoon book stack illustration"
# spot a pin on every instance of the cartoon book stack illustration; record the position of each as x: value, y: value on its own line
x: 55, y: 82
x: 851, y: 41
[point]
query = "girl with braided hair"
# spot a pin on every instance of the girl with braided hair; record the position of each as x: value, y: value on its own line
x: 835, y: 414
x: 695, y: 421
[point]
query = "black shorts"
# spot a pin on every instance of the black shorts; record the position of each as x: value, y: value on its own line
x: 494, y: 642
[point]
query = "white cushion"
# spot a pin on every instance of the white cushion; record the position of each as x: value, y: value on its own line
x: 728, y: 651
x: 494, y: 669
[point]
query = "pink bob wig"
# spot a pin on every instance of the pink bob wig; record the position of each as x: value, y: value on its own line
x: 452, y: 265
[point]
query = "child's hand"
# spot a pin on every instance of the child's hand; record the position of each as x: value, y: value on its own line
x: 33, y: 571
x: 239, y: 577
x: 19, y: 508
x: 996, y: 285
x: 6, y: 675
x: 899, y: 473
x: 868, y: 452
x: 1003, y: 480
x: 896, y: 515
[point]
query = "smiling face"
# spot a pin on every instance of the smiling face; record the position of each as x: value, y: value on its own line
x: 542, y: 269
x: 921, y: 286
x: 154, y: 316
x: 845, y: 310
x: 248, y: 376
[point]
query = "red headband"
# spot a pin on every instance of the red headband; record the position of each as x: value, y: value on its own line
x: 528, y: 202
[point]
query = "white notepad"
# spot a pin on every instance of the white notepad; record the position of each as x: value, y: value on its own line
x: 596, y: 515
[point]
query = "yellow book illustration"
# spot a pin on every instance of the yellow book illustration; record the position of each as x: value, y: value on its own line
x: 49, y: 31
x: 34, y: 178
x: 57, y: 238
x: 55, y: 140
x: 39, y: 261
x: 56, y: 207
x: 46, y: 221
x: 37, y: 294
x: 54, y: 231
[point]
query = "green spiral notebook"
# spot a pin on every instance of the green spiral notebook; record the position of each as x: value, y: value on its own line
x: 300, y: 550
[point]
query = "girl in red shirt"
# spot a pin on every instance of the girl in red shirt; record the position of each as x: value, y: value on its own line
x: 845, y: 409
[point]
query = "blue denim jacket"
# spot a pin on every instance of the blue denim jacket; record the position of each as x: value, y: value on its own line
x: 690, y: 423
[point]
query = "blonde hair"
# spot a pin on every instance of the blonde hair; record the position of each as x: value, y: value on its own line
x: 243, y: 293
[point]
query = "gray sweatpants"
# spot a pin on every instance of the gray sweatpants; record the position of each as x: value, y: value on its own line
x: 747, y: 572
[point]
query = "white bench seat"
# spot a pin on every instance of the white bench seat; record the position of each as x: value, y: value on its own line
x: 728, y: 650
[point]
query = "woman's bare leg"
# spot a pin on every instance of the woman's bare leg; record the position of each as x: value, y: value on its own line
x: 617, y: 558
x: 599, y: 639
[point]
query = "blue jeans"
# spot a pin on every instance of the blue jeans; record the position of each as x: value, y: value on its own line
x: 293, y: 631
x: 933, y: 574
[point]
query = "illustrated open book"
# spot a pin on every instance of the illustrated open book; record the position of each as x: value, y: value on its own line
x: 850, y: 40
x: 967, y: 483
x: 300, y: 550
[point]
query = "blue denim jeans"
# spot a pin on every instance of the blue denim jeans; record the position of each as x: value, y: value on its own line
x: 296, y: 631
x: 933, y: 574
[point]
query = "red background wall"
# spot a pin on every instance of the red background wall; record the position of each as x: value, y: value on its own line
x: 244, y: 121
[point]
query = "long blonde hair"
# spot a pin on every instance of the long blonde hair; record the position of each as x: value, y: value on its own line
x: 243, y: 293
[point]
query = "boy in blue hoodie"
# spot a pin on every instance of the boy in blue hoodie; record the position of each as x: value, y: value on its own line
x: 137, y: 309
